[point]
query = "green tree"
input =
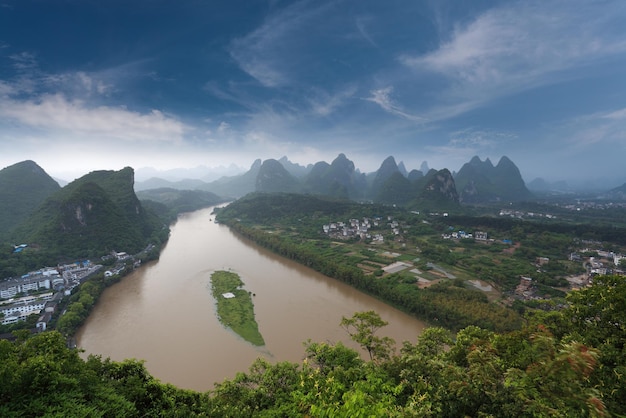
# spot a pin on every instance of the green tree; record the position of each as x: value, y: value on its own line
x: 597, y: 316
x: 362, y: 328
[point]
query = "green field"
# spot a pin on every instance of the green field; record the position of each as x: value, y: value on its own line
x: 236, y: 313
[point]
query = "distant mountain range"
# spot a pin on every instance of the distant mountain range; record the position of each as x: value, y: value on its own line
x: 477, y: 182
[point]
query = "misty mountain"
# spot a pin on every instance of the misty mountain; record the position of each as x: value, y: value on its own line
x: 476, y: 182
x: 396, y: 190
x: 415, y: 175
x: 232, y: 187
x: 315, y: 181
x: 273, y: 178
x: 23, y: 187
x: 179, y: 201
x: 481, y: 182
x: 617, y: 193
x: 337, y: 179
x: 204, y: 173
x: 402, y: 169
x: 92, y: 215
x: 437, y: 191
x: 157, y: 183
x: 384, y: 172
x: 296, y: 170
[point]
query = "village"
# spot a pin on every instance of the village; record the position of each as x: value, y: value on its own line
x: 596, y: 261
x: 39, y: 292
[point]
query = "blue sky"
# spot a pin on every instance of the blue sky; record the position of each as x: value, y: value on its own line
x: 87, y: 84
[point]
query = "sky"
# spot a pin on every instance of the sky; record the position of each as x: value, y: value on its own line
x: 89, y: 84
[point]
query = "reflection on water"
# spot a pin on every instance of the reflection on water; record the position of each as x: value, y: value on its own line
x: 164, y: 313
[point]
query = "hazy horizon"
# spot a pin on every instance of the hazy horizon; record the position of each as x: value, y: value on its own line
x: 208, y: 174
x: 87, y: 86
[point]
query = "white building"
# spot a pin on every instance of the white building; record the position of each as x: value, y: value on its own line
x: 29, y: 282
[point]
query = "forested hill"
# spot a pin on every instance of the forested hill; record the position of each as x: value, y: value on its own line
x: 23, y: 187
x: 268, y: 207
x: 568, y: 363
x: 91, y: 216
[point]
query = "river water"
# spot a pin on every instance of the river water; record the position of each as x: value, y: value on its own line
x: 164, y: 312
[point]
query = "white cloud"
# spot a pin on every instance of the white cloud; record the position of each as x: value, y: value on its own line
x: 522, y: 45
x: 79, y: 83
x: 24, y: 61
x: 382, y: 97
x: 479, y: 139
x: 56, y: 113
x: 324, y: 104
x: 223, y: 128
x: 6, y: 89
x: 263, y: 53
x: 361, y: 25
x: 600, y: 129
x: 616, y: 115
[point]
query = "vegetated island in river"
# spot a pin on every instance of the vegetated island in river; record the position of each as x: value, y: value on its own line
x: 235, y: 309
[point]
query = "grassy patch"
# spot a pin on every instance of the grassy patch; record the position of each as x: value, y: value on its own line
x: 236, y: 313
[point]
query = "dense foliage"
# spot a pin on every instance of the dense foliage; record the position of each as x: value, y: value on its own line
x: 40, y: 376
x: 23, y: 187
x: 89, y: 217
x: 563, y: 364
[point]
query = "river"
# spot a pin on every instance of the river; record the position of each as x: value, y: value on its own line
x: 164, y: 313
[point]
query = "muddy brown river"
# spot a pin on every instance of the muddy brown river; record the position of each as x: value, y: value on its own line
x: 164, y: 312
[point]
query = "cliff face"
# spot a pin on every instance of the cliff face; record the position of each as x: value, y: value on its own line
x: 95, y: 214
x: 442, y: 186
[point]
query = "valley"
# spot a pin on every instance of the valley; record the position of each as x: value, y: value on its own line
x: 474, y: 269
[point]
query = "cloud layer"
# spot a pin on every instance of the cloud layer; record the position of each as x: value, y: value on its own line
x: 202, y: 82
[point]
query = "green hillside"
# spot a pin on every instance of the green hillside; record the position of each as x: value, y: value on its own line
x: 23, y: 187
x: 95, y: 214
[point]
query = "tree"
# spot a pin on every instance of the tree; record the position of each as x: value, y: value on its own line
x: 597, y: 316
x: 362, y: 328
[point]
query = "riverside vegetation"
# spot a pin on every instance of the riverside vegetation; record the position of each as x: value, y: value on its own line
x: 563, y: 363
x: 236, y: 313
x: 291, y: 225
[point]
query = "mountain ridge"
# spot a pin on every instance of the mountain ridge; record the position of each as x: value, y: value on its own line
x: 23, y: 187
x: 91, y: 216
